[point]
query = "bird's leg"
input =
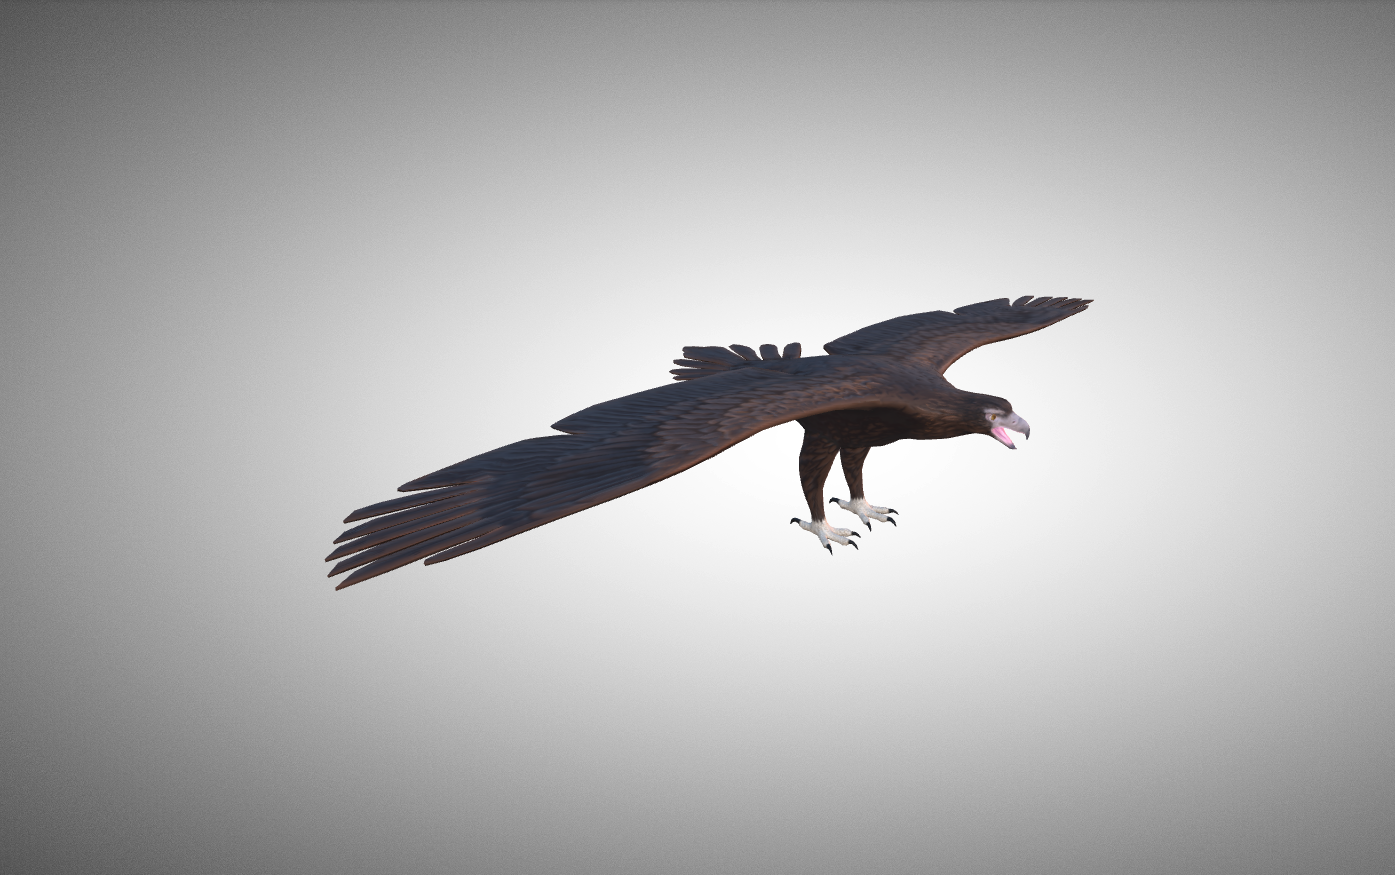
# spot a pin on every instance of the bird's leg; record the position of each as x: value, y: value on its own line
x: 853, y: 457
x: 815, y: 459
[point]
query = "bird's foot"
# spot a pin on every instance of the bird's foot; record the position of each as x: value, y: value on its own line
x: 865, y: 512
x: 826, y: 533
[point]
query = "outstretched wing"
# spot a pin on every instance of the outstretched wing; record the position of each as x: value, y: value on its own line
x: 938, y: 339
x: 609, y: 450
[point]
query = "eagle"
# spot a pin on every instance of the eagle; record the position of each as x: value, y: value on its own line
x: 877, y: 385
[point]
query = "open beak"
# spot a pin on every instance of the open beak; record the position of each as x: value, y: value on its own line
x: 1013, y: 422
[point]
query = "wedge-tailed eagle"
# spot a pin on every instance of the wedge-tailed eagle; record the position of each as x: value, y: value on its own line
x: 880, y: 384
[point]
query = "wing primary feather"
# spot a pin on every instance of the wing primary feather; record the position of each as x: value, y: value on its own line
x: 745, y: 352
x: 388, y: 521
x: 792, y: 351
x: 394, y: 504
x: 717, y: 355
x: 407, y: 557
x: 982, y: 307
x: 483, y: 540
x: 506, y: 458
x: 539, y: 517
x: 401, y: 543
x: 769, y: 352
x: 479, y: 542
x: 373, y: 539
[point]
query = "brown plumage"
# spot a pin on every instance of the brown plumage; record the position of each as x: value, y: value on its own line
x: 880, y: 384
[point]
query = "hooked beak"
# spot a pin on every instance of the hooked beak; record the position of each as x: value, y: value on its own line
x: 1014, y: 422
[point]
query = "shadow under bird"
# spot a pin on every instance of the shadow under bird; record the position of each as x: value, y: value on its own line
x: 880, y: 384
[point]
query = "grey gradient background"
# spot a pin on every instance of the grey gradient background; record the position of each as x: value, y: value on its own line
x: 262, y: 263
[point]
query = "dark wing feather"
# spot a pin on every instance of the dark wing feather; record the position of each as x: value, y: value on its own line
x: 939, y: 339
x: 717, y: 355
x: 609, y: 450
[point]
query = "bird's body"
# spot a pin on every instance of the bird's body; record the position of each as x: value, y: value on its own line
x: 878, y: 385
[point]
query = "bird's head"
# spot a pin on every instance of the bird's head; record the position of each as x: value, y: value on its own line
x: 994, y: 417
x: 1000, y: 422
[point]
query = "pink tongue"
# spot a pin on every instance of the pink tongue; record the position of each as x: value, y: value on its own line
x: 1001, y: 434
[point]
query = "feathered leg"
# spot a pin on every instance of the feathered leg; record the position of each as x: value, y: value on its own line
x: 853, y: 457
x: 815, y: 460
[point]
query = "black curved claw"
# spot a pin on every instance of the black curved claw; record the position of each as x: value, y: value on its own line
x: 829, y: 548
x: 853, y: 544
x: 854, y: 535
x: 794, y: 519
x: 891, y: 510
x: 833, y: 500
x: 869, y: 526
x: 890, y: 520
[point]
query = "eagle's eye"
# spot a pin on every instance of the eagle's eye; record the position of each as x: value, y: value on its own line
x: 992, y: 416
